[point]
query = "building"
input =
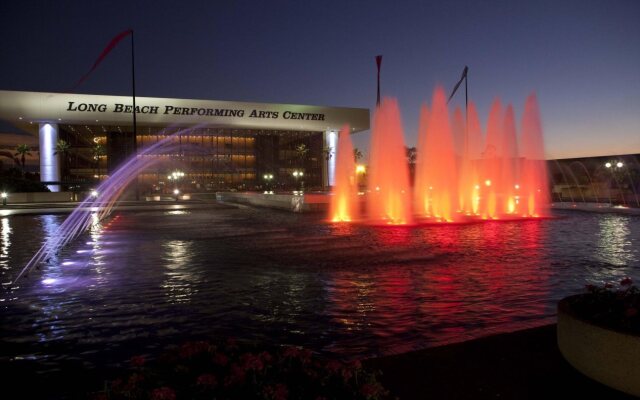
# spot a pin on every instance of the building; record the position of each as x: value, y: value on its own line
x: 219, y: 145
x: 610, y: 179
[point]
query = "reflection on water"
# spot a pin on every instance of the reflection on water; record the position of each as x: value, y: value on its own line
x: 179, y: 280
x: 614, y: 244
x: 286, y: 278
x: 5, y: 244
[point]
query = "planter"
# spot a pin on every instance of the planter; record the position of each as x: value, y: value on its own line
x: 605, y: 355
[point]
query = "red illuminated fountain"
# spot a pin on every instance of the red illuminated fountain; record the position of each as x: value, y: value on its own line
x: 389, y: 198
x: 458, y: 177
x: 344, y: 202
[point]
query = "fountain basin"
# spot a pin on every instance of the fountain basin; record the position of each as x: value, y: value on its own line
x: 605, y: 355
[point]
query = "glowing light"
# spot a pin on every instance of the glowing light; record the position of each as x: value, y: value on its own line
x: 4, y: 195
x: 66, y: 263
x: 487, y: 182
x: 608, y: 165
x: 360, y: 169
x: 49, y: 281
x: 517, y: 186
x: 94, y: 193
x: 176, y: 191
x: 619, y: 164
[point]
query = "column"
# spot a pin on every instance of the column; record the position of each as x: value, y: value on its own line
x: 330, y: 141
x: 49, y: 162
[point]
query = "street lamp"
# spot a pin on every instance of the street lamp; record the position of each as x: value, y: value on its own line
x: 176, y: 192
x: 299, y: 174
x: 94, y: 193
x: 4, y: 198
x: 268, y: 178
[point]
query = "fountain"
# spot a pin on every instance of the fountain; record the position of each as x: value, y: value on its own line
x: 458, y: 177
x: 344, y: 202
x: 389, y: 199
x: 100, y: 204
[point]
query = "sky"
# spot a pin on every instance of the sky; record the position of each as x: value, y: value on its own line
x: 581, y: 58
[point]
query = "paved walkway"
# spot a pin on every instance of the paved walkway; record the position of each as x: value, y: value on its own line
x: 520, y: 365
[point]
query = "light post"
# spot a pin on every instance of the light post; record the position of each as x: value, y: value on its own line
x: 268, y: 178
x: 176, y: 192
x: 615, y: 167
x: 299, y: 174
x: 4, y: 198
x: 175, y: 176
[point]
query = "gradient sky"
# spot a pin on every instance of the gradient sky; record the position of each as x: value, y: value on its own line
x: 582, y: 58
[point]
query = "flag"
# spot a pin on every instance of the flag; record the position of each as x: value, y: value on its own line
x: 455, y: 88
x: 113, y: 43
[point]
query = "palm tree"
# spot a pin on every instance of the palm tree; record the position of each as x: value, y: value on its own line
x: 327, y: 152
x: 63, y: 148
x: 357, y: 154
x: 412, y: 155
x: 22, y: 150
x: 301, y: 152
x: 97, y: 151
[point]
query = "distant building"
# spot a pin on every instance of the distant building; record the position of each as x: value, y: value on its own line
x: 223, y: 145
x: 614, y: 179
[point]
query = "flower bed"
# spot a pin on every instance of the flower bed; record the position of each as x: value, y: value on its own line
x: 599, y: 334
x: 205, y: 370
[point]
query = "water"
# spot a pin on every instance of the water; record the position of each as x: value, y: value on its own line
x: 457, y: 177
x: 352, y: 290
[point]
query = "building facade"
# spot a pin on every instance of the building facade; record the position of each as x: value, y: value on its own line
x: 214, y: 145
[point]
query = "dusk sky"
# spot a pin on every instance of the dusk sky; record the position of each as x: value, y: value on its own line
x: 582, y: 58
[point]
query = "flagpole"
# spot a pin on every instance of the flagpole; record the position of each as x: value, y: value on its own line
x: 378, y: 63
x: 133, y: 90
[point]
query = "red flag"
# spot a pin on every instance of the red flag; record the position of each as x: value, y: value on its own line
x: 102, y: 55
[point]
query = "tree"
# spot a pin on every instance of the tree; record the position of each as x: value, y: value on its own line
x: 327, y: 152
x: 97, y: 151
x: 357, y: 154
x: 412, y: 155
x: 63, y: 148
x: 301, y: 152
x: 22, y: 150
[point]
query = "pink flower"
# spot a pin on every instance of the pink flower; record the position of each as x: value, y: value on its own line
x: 220, y: 359
x: 237, y: 376
x: 266, y: 357
x: 626, y: 281
x: 305, y: 356
x: 370, y: 390
x: 163, y: 393
x: 277, y: 392
x: 207, y: 380
x: 334, y: 366
x: 250, y: 361
x: 346, y: 374
x: 191, y: 349
x: 137, y: 361
x: 291, y: 352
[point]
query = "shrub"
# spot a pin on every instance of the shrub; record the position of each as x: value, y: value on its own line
x: 611, y: 306
x: 205, y: 370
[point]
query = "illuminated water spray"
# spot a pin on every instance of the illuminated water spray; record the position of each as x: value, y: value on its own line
x: 344, y: 199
